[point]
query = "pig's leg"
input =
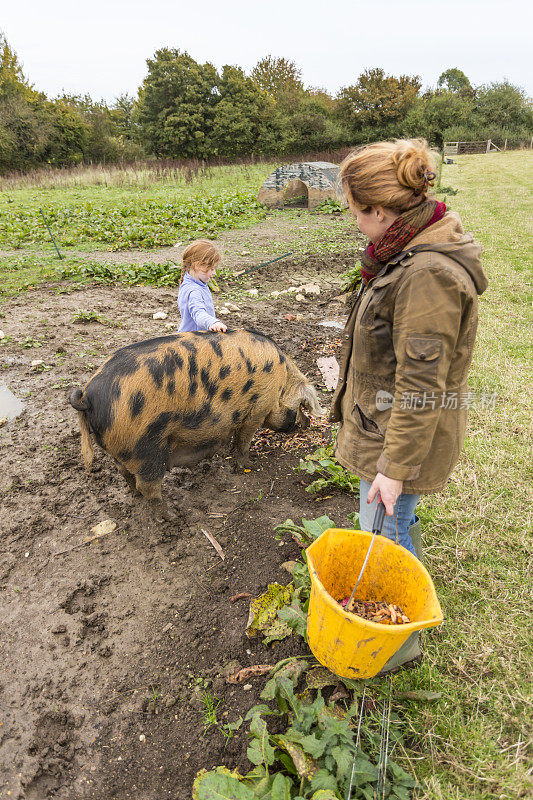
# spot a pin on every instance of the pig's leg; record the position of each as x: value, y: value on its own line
x: 128, y: 477
x: 151, y: 491
x: 242, y: 440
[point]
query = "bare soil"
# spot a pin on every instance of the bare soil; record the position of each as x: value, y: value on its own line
x: 107, y: 648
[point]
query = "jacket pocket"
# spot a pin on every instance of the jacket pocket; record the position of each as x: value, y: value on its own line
x: 422, y: 357
x: 366, y: 425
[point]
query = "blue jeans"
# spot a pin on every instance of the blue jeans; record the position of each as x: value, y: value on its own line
x: 404, y: 511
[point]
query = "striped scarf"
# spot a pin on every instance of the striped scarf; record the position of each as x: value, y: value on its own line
x: 402, y: 230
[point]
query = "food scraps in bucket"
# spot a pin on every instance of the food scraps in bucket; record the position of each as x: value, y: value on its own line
x: 376, y: 611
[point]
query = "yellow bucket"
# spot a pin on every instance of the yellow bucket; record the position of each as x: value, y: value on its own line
x: 349, y: 645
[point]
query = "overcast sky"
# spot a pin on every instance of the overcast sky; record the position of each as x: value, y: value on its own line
x: 101, y: 48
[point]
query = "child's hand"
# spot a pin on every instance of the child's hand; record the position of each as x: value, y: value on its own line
x: 218, y: 327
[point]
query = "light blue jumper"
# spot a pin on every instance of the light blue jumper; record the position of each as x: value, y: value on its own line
x: 195, y: 303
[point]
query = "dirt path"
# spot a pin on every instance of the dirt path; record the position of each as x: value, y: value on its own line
x: 106, y: 649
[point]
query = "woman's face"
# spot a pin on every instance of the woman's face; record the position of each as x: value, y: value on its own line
x: 375, y: 222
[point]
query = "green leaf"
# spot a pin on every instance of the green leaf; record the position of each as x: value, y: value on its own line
x: 324, y: 794
x: 322, y: 779
x: 315, y: 527
x: 260, y: 750
x: 220, y: 784
x: 315, y: 747
x: 260, y: 708
x: 287, y: 762
x: 400, y: 792
x: 294, y: 616
x: 400, y: 775
x: 343, y: 758
x: 281, y: 788
x: 364, y: 771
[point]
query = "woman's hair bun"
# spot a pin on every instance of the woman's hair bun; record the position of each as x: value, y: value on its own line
x: 412, y: 159
x: 393, y: 174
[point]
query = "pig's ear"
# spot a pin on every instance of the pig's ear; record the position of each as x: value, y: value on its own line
x: 309, y: 399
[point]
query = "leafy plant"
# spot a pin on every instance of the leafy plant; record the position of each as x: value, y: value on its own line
x: 330, y: 206
x: 130, y: 221
x: 331, y: 474
x: 448, y: 190
x: 165, y: 274
x: 351, y: 280
x: 314, y: 757
x: 307, y: 532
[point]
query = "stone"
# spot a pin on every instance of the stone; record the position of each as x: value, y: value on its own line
x: 224, y: 311
x: 160, y: 315
x: 301, y: 298
x: 314, y: 181
x: 251, y: 292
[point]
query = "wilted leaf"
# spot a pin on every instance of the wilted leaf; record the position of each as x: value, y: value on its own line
x: 320, y: 677
x: 104, y: 528
x: 305, y: 766
x: 277, y: 631
x: 427, y: 697
x: 249, y: 672
x: 220, y: 784
x: 264, y: 610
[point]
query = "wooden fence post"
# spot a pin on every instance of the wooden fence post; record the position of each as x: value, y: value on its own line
x: 505, y: 145
x: 488, y: 146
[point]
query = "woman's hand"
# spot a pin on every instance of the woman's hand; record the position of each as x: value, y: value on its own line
x: 218, y: 327
x: 388, y: 489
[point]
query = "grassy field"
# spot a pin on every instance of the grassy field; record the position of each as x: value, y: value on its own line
x: 476, y: 743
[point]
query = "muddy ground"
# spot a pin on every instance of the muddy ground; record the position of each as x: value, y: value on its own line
x: 107, y: 648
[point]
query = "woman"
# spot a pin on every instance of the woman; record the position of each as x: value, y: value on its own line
x: 402, y: 393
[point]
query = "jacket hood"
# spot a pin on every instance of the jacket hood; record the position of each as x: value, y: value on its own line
x: 448, y: 237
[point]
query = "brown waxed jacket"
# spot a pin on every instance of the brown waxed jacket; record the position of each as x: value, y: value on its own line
x: 408, y: 344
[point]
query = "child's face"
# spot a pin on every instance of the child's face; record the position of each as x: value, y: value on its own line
x: 202, y: 272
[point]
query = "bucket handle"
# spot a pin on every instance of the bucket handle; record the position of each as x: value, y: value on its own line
x: 377, y: 527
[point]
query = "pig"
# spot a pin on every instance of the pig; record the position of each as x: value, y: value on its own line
x: 176, y: 400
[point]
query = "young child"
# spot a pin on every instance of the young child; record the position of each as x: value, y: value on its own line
x: 200, y: 260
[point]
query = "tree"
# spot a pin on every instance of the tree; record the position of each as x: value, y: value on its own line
x: 176, y: 105
x: 378, y: 101
x: 12, y: 80
x: 435, y: 112
x: 278, y: 76
x: 454, y: 80
x: 244, y: 116
x: 504, y: 104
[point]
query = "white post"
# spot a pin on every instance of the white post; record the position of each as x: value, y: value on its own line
x: 488, y: 146
x: 505, y: 145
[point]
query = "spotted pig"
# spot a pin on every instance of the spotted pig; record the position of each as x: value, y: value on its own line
x: 175, y: 400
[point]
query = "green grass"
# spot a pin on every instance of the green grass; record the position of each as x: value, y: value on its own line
x: 474, y: 743
x: 146, y: 213
x: 115, y: 219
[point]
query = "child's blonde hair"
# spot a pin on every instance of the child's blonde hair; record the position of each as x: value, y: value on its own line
x: 394, y: 175
x: 200, y: 251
